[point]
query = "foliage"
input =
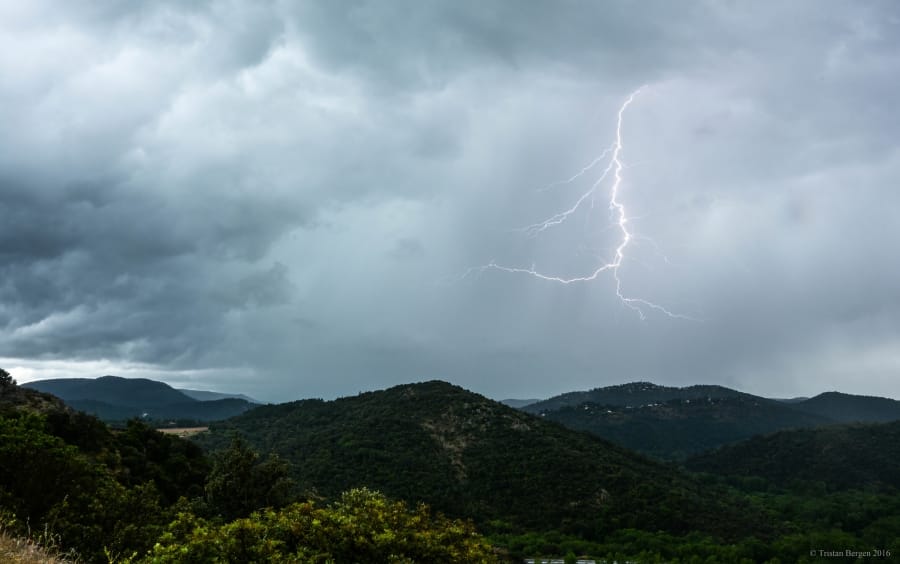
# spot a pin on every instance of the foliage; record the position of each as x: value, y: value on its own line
x: 93, y: 489
x: 847, y: 408
x: 677, y: 428
x: 471, y: 457
x: 632, y: 394
x: 46, y: 482
x: 364, y: 526
x: 132, y: 494
x: 6, y: 380
x: 838, y: 457
x: 176, y: 467
x: 241, y: 482
x: 651, y: 547
x: 112, y: 399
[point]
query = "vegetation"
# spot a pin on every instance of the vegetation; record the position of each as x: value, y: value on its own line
x: 676, y: 423
x: 847, y: 408
x: 364, y: 526
x: 133, y: 495
x: 115, y: 399
x: 678, y: 428
x: 472, y: 457
x: 137, y: 495
x: 6, y: 379
x: 634, y: 394
x: 240, y: 482
x: 18, y: 550
x: 839, y: 457
x: 134, y: 392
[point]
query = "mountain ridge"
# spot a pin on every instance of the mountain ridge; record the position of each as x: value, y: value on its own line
x: 465, y: 454
x: 207, y: 395
x: 633, y: 394
x: 132, y: 392
x: 113, y: 398
x: 675, y: 423
x: 851, y: 408
x: 844, y: 456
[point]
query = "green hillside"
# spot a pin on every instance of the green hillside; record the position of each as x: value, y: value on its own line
x: 840, y: 457
x: 112, y: 398
x: 536, y: 487
x: 675, y: 423
x: 471, y: 456
x: 135, y: 495
x: 848, y: 408
x: 200, y: 411
x: 634, y: 394
x: 131, y: 392
x: 678, y: 428
x: 85, y: 485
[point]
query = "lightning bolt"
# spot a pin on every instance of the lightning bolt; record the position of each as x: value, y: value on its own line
x: 612, y: 156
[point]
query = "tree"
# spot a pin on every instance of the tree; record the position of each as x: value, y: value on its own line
x: 6, y: 380
x: 240, y: 482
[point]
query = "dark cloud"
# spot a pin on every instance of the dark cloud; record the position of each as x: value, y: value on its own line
x: 281, y: 198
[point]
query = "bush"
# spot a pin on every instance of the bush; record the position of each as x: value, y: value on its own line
x: 364, y: 526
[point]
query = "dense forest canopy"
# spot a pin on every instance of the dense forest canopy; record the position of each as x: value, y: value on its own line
x: 262, y: 491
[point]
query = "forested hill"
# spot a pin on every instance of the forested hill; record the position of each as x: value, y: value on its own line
x: 840, y: 457
x: 19, y: 400
x: 205, y: 395
x: 848, y: 408
x: 131, y: 392
x: 633, y: 394
x: 112, y: 398
x: 675, y: 423
x: 470, y: 456
x: 676, y: 429
x: 136, y: 495
x: 87, y: 486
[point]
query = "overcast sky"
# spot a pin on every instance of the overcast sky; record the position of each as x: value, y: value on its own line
x: 284, y: 198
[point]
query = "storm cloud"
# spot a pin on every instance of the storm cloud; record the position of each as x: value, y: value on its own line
x: 283, y: 198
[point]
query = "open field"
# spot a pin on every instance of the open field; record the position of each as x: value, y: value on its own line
x: 184, y: 431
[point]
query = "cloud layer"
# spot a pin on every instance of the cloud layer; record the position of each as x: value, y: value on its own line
x: 280, y: 198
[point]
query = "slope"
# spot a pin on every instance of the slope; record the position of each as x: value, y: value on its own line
x: 678, y: 428
x: 470, y: 456
x: 847, y: 408
x: 672, y: 423
x: 113, y: 390
x: 205, y: 395
x: 839, y: 456
x: 632, y: 395
x: 112, y: 398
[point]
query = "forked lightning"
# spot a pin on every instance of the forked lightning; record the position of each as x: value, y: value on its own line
x: 614, y: 166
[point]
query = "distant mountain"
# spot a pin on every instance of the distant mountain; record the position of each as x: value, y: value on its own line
x: 677, y: 428
x: 846, y: 408
x: 634, y: 394
x: 203, y: 411
x: 132, y: 392
x: 797, y: 399
x: 841, y: 457
x: 203, y: 395
x: 470, y: 456
x: 112, y: 398
x: 674, y: 423
x: 518, y: 403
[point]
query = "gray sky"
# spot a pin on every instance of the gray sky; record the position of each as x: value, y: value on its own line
x: 281, y: 198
